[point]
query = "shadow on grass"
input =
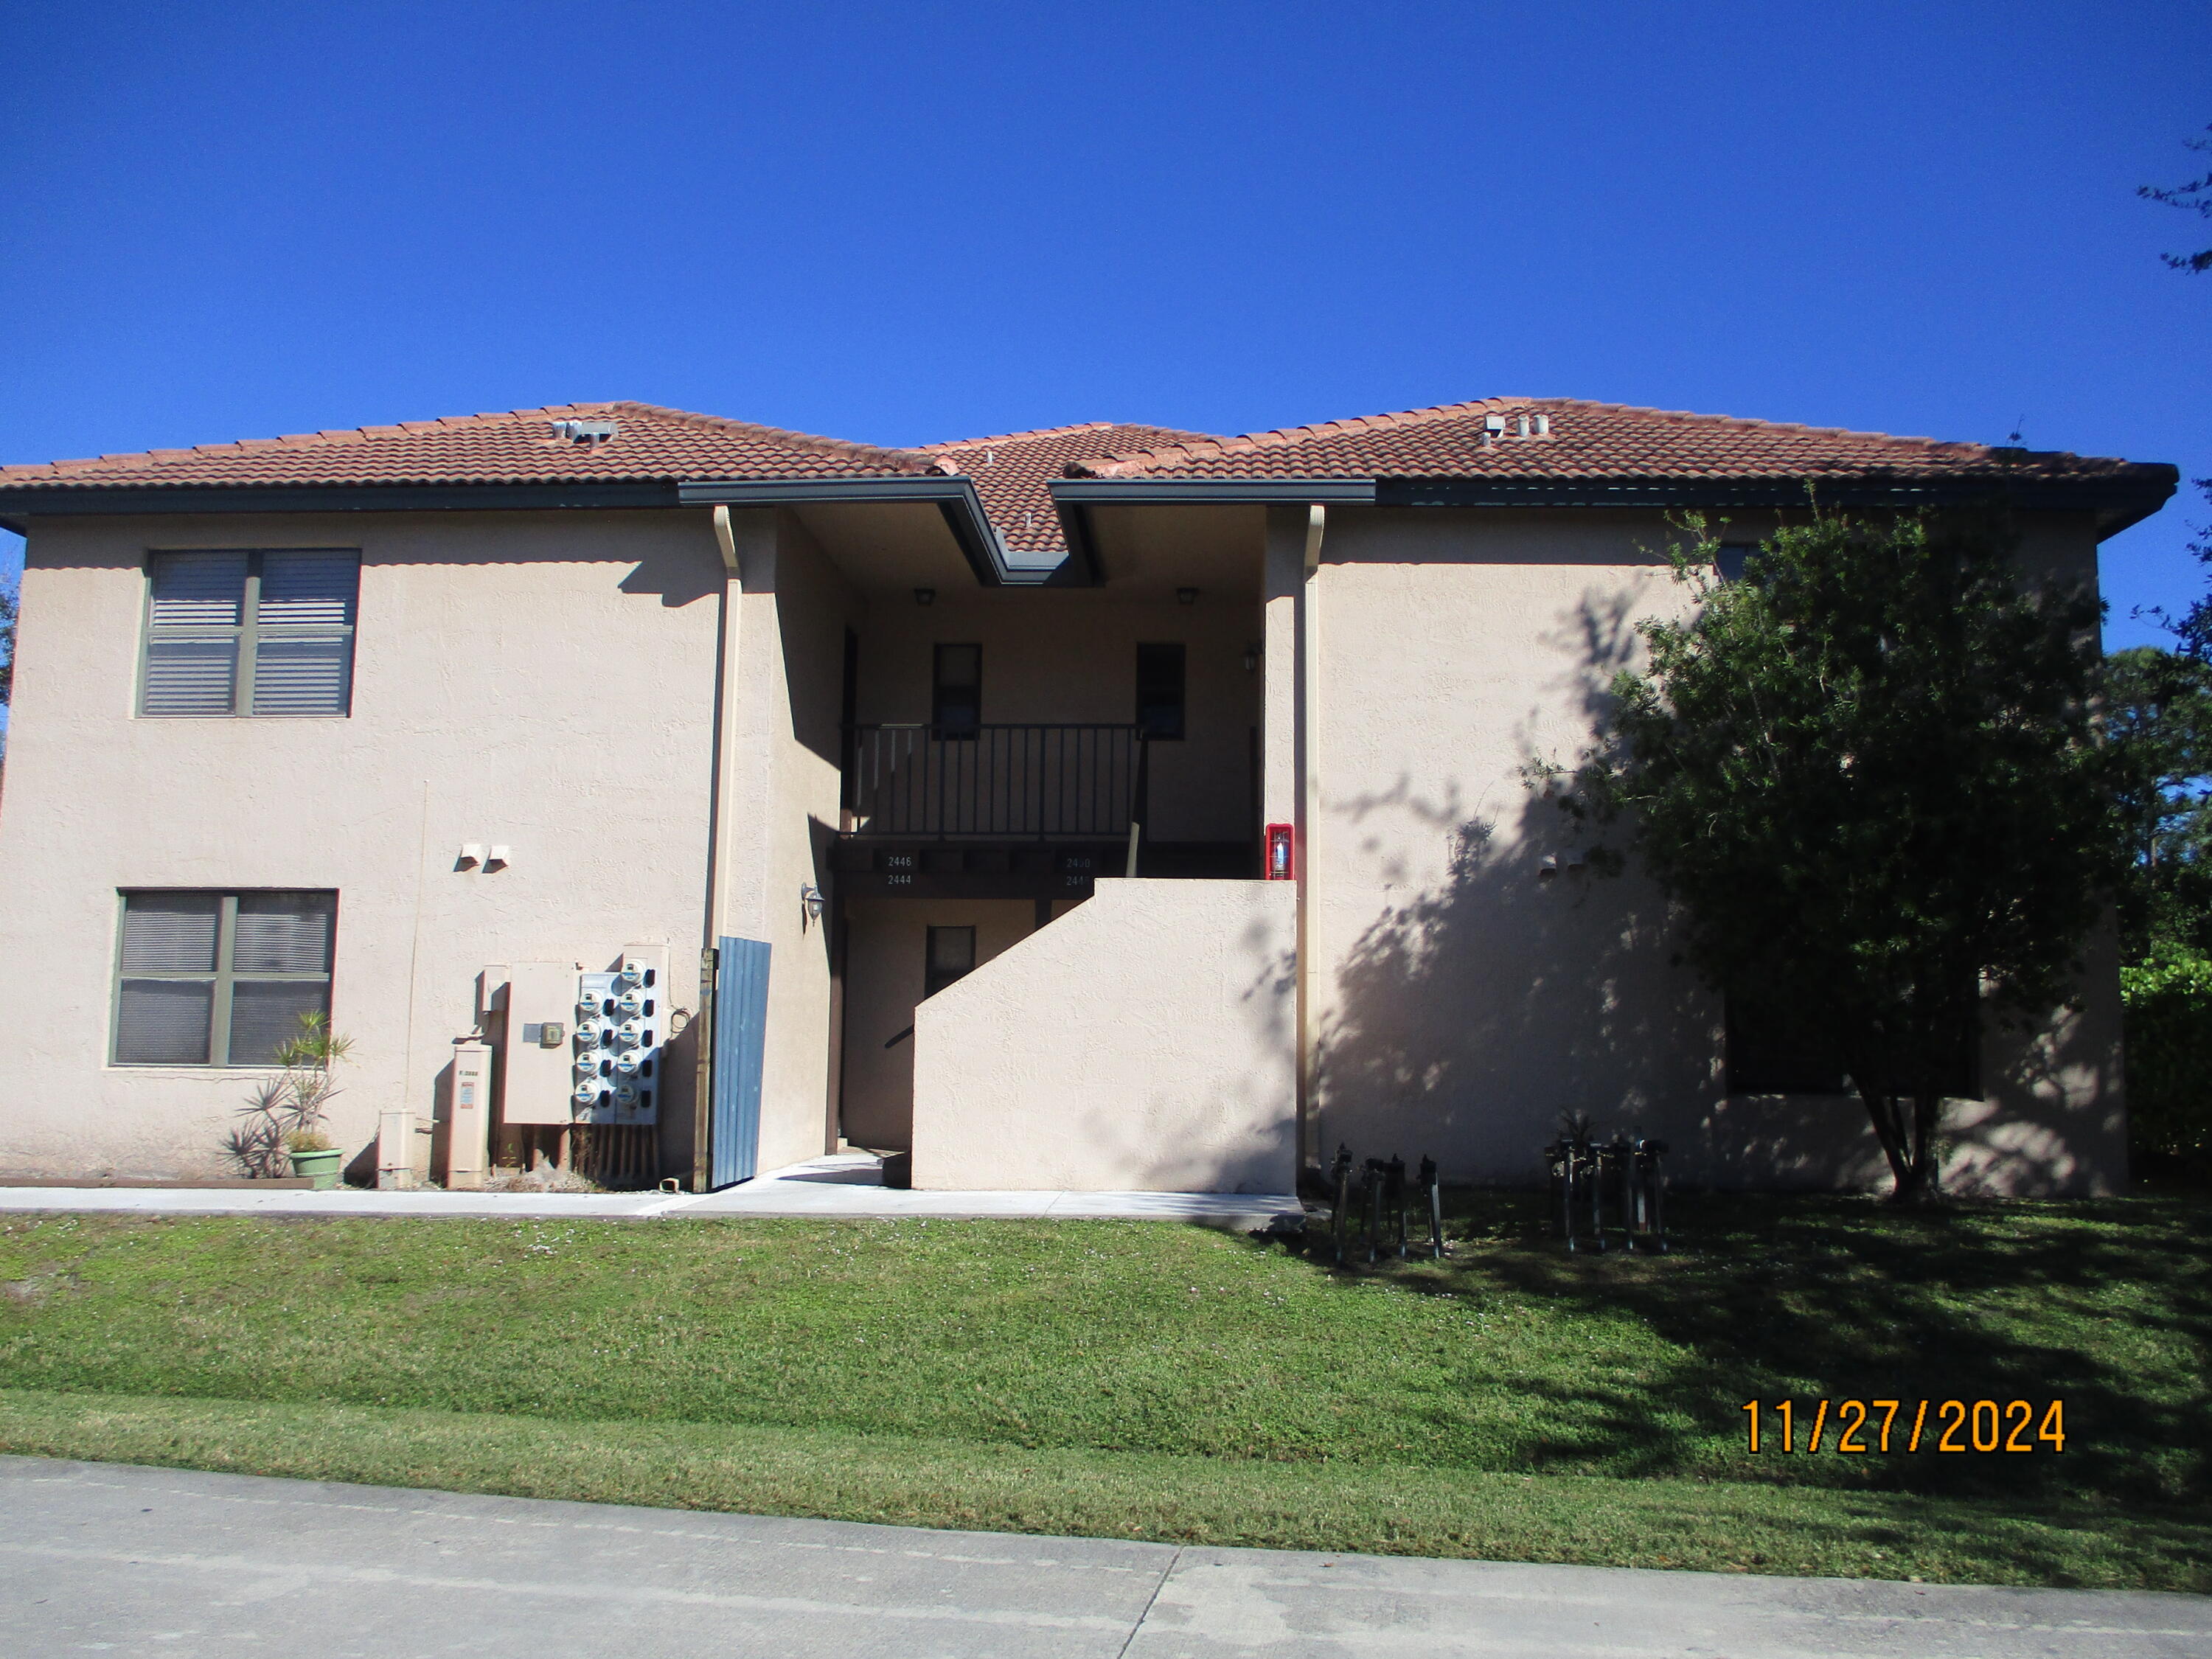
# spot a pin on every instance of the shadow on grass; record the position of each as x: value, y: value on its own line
x: 2090, y: 1303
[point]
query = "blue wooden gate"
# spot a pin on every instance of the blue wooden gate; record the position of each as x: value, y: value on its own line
x: 740, y: 1026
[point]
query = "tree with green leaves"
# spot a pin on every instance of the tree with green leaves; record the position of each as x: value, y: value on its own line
x: 2158, y: 725
x: 1867, y: 773
x: 2194, y: 197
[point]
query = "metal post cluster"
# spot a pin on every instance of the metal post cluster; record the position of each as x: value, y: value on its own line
x: 1390, y: 1197
x: 1598, y: 1188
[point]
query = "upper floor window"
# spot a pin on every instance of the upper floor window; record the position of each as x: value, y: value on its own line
x: 955, y: 697
x: 219, y: 979
x: 250, y: 632
x: 1159, y: 691
x: 1732, y: 559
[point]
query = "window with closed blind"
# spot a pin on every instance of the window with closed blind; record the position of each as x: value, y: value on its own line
x: 219, y: 979
x: 265, y: 632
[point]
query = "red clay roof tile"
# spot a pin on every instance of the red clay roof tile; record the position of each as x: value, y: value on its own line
x: 1013, y: 471
x: 518, y: 447
x: 1586, y: 440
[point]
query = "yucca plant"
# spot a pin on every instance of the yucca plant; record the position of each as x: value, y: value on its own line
x: 286, y: 1112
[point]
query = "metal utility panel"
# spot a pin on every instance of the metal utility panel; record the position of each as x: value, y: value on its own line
x: 468, y: 1126
x: 621, y: 1025
x: 536, y: 1086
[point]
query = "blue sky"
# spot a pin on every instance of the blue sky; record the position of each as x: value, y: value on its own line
x: 903, y: 223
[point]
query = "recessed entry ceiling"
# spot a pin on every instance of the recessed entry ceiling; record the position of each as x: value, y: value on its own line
x: 887, y: 549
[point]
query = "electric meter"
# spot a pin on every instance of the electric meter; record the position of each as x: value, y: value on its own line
x: 616, y: 1008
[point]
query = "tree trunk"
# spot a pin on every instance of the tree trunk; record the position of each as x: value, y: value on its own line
x: 1890, y: 1132
x: 1927, y: 1187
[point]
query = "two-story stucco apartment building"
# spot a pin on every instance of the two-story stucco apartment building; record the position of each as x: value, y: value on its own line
x: 1106, y: 807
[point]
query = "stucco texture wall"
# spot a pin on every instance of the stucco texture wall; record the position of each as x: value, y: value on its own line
x: 1141, y: 1043
x: 544, y: 681
x: 1463, y: 1002
x: 886, y: 971
x: 786, y: 708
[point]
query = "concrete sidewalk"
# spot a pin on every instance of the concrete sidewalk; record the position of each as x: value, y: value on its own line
x: 132, y: 1561
x: 849, y: 1184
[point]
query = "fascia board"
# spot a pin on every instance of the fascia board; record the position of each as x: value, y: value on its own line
x: 46, y: 500
x: 2118, y: 502
x: 954, y: 497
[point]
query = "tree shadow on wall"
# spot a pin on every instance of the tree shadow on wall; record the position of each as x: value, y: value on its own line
x: 1468, y: 1017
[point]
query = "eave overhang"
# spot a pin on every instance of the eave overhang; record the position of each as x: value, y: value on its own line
x: 953, y: 496
x: 2115, y: 502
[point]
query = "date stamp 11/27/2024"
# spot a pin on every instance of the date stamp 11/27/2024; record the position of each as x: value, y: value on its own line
x: 1874, y: 1425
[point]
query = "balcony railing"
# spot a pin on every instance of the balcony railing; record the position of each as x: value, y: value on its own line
x: 1004, y: 782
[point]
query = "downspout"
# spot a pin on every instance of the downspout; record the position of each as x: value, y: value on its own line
x: 718, y: 853
x: 1308, y: 818
x: 726, y: 694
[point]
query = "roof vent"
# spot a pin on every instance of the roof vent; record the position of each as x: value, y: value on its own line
x: 584, y: 432
x: 1543, y: 426
x: 1493, y: 426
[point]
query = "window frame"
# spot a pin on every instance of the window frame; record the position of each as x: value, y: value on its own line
x: 223, y: 977
x: 938, y: 687
x: 1181, y: 658
x: 246, y: 632
x: 930, y: 983
x: 1788, y: 1067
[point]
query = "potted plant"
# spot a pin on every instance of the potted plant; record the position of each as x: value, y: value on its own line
x: 286, y: 1113
x: 314, y: 1156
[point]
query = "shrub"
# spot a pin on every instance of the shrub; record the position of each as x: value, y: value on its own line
x: 2169, y: 1051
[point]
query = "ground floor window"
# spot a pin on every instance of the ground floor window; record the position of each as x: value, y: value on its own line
x: 219, y: 979
x: 1771, y: 1054
x: 952, y: 957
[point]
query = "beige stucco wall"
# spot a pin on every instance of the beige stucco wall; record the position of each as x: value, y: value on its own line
x: 544, y: 681
x: 548, y: 681
x: 1141, y: 1043
x: 787, y: 693
x: 1462, y: 1003
x: 1069, y: 655
x: 886, y: 967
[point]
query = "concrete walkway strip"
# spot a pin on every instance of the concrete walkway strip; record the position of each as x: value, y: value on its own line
x: 848, y: 1184
x: 130, y: 1561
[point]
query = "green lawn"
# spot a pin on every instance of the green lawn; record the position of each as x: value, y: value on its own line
x: 1165, y: 1382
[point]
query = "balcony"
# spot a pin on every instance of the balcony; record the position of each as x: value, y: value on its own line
x: 994, y: 783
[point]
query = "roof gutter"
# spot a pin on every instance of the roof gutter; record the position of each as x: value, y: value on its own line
x: 1073, y: 498
x: 954, y: 497
x: 2115, y: 502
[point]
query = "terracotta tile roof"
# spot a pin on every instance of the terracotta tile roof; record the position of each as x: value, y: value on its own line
x: 1586, y: 440
x: 519, y: 447
x: 1013, y: 471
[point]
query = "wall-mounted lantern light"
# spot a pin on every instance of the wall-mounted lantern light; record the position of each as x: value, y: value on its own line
x: 1251, y: 658
x: 811, y: 901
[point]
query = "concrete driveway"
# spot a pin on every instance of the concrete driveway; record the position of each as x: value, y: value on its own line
x: 105, y: 1559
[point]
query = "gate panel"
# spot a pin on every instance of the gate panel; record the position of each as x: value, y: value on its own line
x: 740, y: 1030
